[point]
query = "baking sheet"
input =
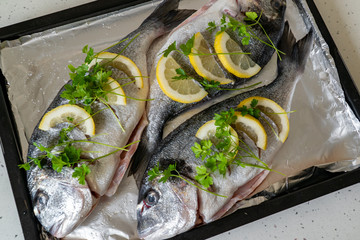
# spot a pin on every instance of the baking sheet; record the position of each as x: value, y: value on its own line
x: 319, y: 99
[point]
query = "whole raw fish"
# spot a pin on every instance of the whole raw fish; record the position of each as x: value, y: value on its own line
x: 60, y: 203
x: 162, y: 108
x: 167, y: 209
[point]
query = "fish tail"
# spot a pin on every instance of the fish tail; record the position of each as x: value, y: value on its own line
x: 296, y: 52
x: 167, y: 12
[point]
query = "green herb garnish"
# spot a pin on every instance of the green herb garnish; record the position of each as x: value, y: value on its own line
x: 244, y: 30
x: 184, y: 48
x: 207, y: 84
x: 252, y: 110
x: 171, y: 171
x: 225, y: 153
x: 69, y: 156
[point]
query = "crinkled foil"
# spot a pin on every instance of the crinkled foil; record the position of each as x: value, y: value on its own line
x: 324, y: 131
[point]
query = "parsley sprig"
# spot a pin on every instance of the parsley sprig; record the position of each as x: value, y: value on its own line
x: 68, y: 156
x: 225, y: 153
x: 252, y: 110
x: 207, y: 84
x: 188, y: 49
x: 171, y: 171
x: 185, y: 48
x: 244, y: 30
x: 86, y: 86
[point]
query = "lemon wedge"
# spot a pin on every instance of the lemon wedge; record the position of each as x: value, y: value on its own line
x: 184, y: 91
x: 208, y: 130
x: 68, y: 113
x: 253, y: 128
x: 240, y: 65
x: 276, y: 113
x: 205, y: 64
x: 122, y: 63
x: 116, y: 94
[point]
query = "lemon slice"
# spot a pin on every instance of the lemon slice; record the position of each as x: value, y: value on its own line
x: 240, y: 65
x: 206, y: 65
x: 116, y: 94
x: 253, y: 128
x: 122, y: 63
x: 208, y: 130
x: 184, y: 91
x: 68, y: 113
x: 276, y: 113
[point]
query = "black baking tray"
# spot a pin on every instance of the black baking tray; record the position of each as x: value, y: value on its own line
x: 319, y: 184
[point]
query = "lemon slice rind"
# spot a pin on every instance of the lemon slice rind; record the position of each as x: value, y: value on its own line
x: 198, y: 65
x: 274, y: 111
x: 220, y: 46
x: 131, y: 66
x: 208, y: 130
x: 164, y: 74
x: 62, y: 113
x: 253, y: 128
x: 116, y: 94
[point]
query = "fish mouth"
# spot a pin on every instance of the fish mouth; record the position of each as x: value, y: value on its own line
x: 143, y: 231
x: 56, y: 229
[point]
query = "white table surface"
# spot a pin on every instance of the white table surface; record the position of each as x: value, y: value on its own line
x: 333, y: 216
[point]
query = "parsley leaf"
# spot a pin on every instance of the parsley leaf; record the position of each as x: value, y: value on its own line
x: 211, y: 26
x: 73, y: 154
x: 186, y: 48
x: 25, y: 166
x: 154, y: 172
x: 167, y: 173
x: 181, y: 75
x: 203, y: 149
x: 210, y: 84
x: 172, y: 47
x: 203, y: 177
x: 81, y: 172
x: 252, y: 110
x: 251, y: 16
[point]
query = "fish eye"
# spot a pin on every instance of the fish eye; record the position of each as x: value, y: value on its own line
x: 276, y: 4
x: 41, y: 199
x: 151, y: 198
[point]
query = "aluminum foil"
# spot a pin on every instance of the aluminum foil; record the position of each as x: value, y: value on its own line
x: 324, y: 131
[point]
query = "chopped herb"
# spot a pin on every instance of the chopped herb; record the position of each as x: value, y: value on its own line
x: 244, y: 30
x: 81, y: 172
x: 203, y: 176
x: 225, y: 152
x: 171, y: 171
x: 171, y: 48
x: 252, y: 110
x: 207, y: 84
x: 181, y: 75
x: 184, y: 48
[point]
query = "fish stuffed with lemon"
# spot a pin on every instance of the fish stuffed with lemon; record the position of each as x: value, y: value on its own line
x: 212, y: 160
x: 82, y: 146
x: 219, y: 47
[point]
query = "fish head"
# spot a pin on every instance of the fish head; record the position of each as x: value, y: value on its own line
x: 270, y: 10
x: 60, y: 203
x: 166, y: 208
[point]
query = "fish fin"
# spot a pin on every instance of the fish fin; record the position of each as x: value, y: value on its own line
x: 241, y: 193
x: 296, y: 52
x: 168, y: 13
x: 139, y: 162
x: 126, y: 156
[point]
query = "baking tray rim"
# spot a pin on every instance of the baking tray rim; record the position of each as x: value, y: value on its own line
x: 31, y: 228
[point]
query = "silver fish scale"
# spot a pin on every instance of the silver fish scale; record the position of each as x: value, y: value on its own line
x: 239, y: 182
x: 107, y: 172
x: 162, y: 109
